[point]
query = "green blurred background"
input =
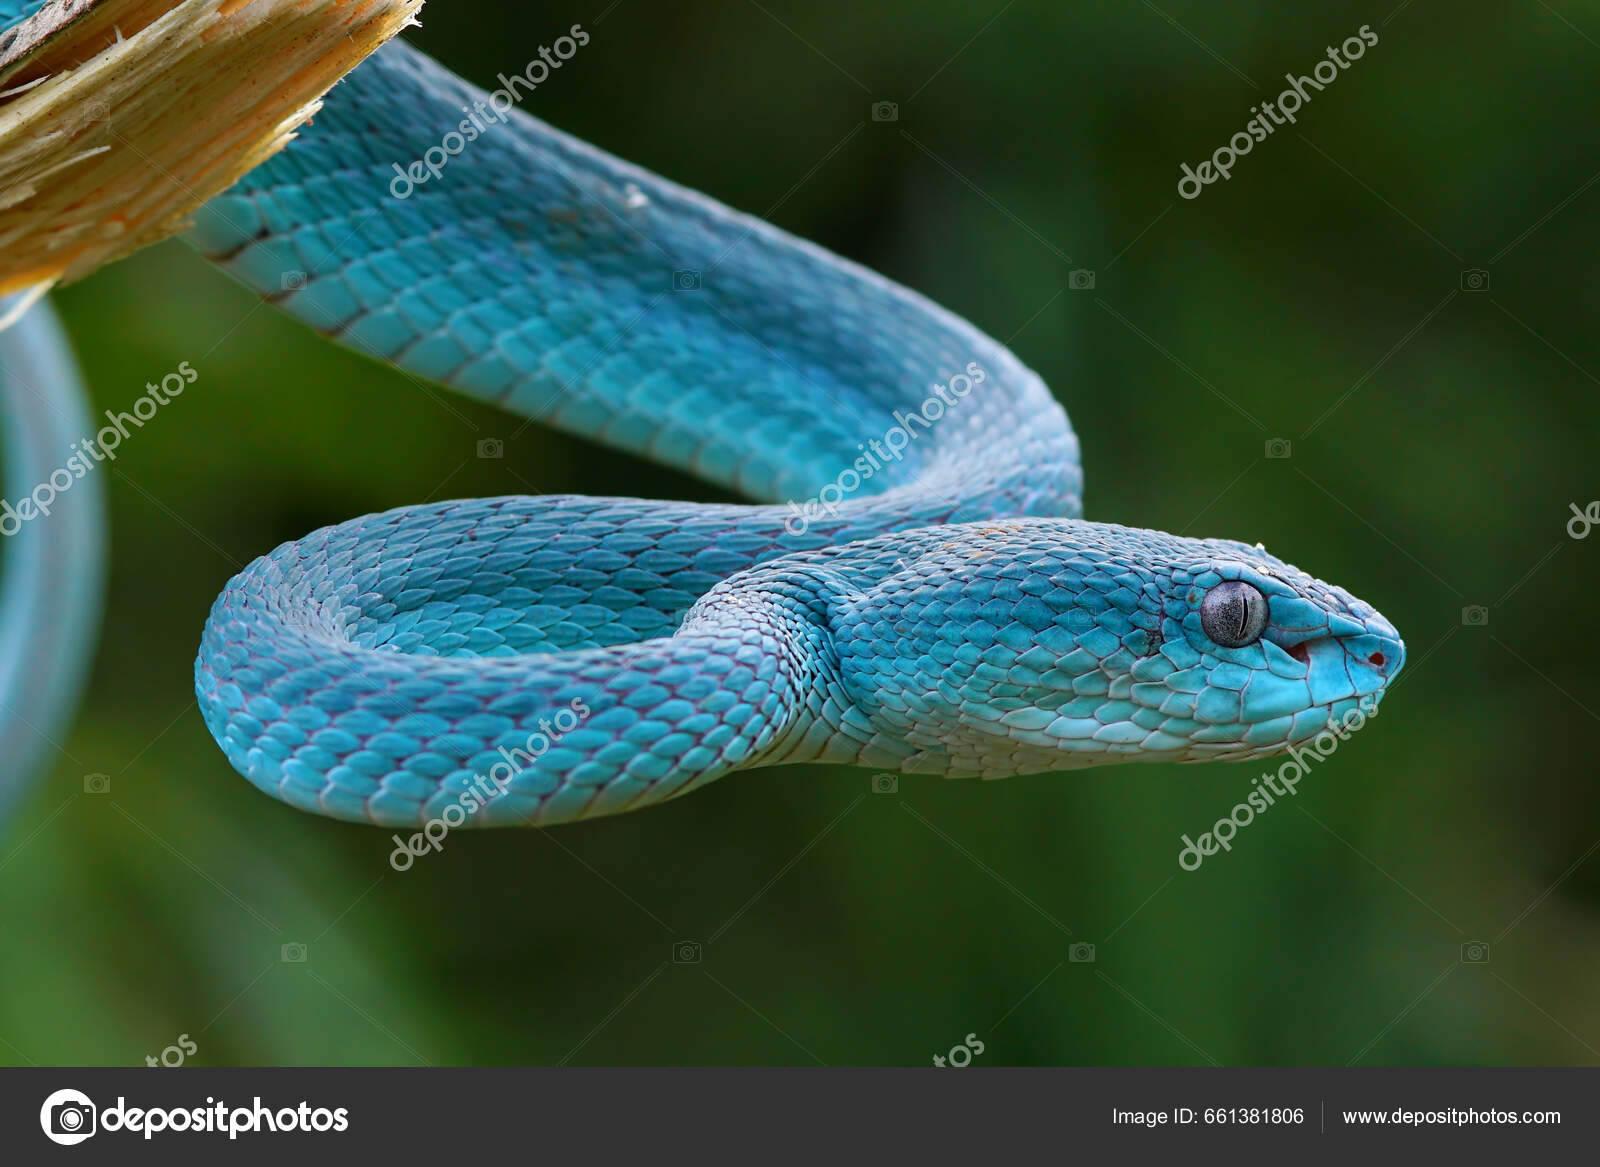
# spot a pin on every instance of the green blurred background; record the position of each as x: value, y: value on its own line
x: 834, y: 924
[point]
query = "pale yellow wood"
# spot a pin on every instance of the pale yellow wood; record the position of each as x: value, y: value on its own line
x: 115, y: 127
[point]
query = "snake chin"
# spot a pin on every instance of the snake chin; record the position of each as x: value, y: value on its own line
x: 1040, y: 645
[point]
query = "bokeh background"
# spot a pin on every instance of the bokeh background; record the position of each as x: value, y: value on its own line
x: 1436, y: 439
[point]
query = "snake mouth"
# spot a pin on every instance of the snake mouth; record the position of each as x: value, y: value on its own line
x: 1378, y: 659
x: 1369, y: 652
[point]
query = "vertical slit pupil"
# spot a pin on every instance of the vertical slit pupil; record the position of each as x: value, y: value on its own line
x: 1239, y: 608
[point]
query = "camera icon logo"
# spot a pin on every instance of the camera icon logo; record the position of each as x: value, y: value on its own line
x: 68, y: 1117
x: 886, y: 783
x: 97, y: 783
x: 885, y: 111
x: 491, y: 448
x: 1080, y: 279
x: 1474, y: 616
x: 686, y: 952
x: 1081, y: 953
x: 293, y: 281
x: 292, y: 953
x: 685, y: 280
x: 1279, y: 447
x: 1474, y: 279
x: 1475, y: 952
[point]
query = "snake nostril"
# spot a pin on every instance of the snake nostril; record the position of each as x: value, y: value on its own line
x: 1376, y: 660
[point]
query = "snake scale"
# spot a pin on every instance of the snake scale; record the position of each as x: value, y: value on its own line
x: 915, y: 590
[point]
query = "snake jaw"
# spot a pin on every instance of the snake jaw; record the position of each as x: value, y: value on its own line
x: 1325, y: 654
x: 386, y: 669
x: 1072, y: 644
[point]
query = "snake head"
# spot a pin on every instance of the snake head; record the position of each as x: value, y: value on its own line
x: 1047, y: 644
x: 1265, y: 656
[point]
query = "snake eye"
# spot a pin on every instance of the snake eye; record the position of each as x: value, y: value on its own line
x: 1233, y: 614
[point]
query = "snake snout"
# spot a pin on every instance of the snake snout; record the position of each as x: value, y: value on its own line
x: 1375, y: 656
x: 1342, y: 668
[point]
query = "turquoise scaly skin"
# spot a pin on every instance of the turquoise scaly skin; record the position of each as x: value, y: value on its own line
x: 538, y: 660
x: 13, y: 12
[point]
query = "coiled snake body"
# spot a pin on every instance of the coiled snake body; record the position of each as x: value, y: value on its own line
x: 929, y: 602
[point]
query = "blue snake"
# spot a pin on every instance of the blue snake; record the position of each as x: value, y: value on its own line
x: 914, y: 590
